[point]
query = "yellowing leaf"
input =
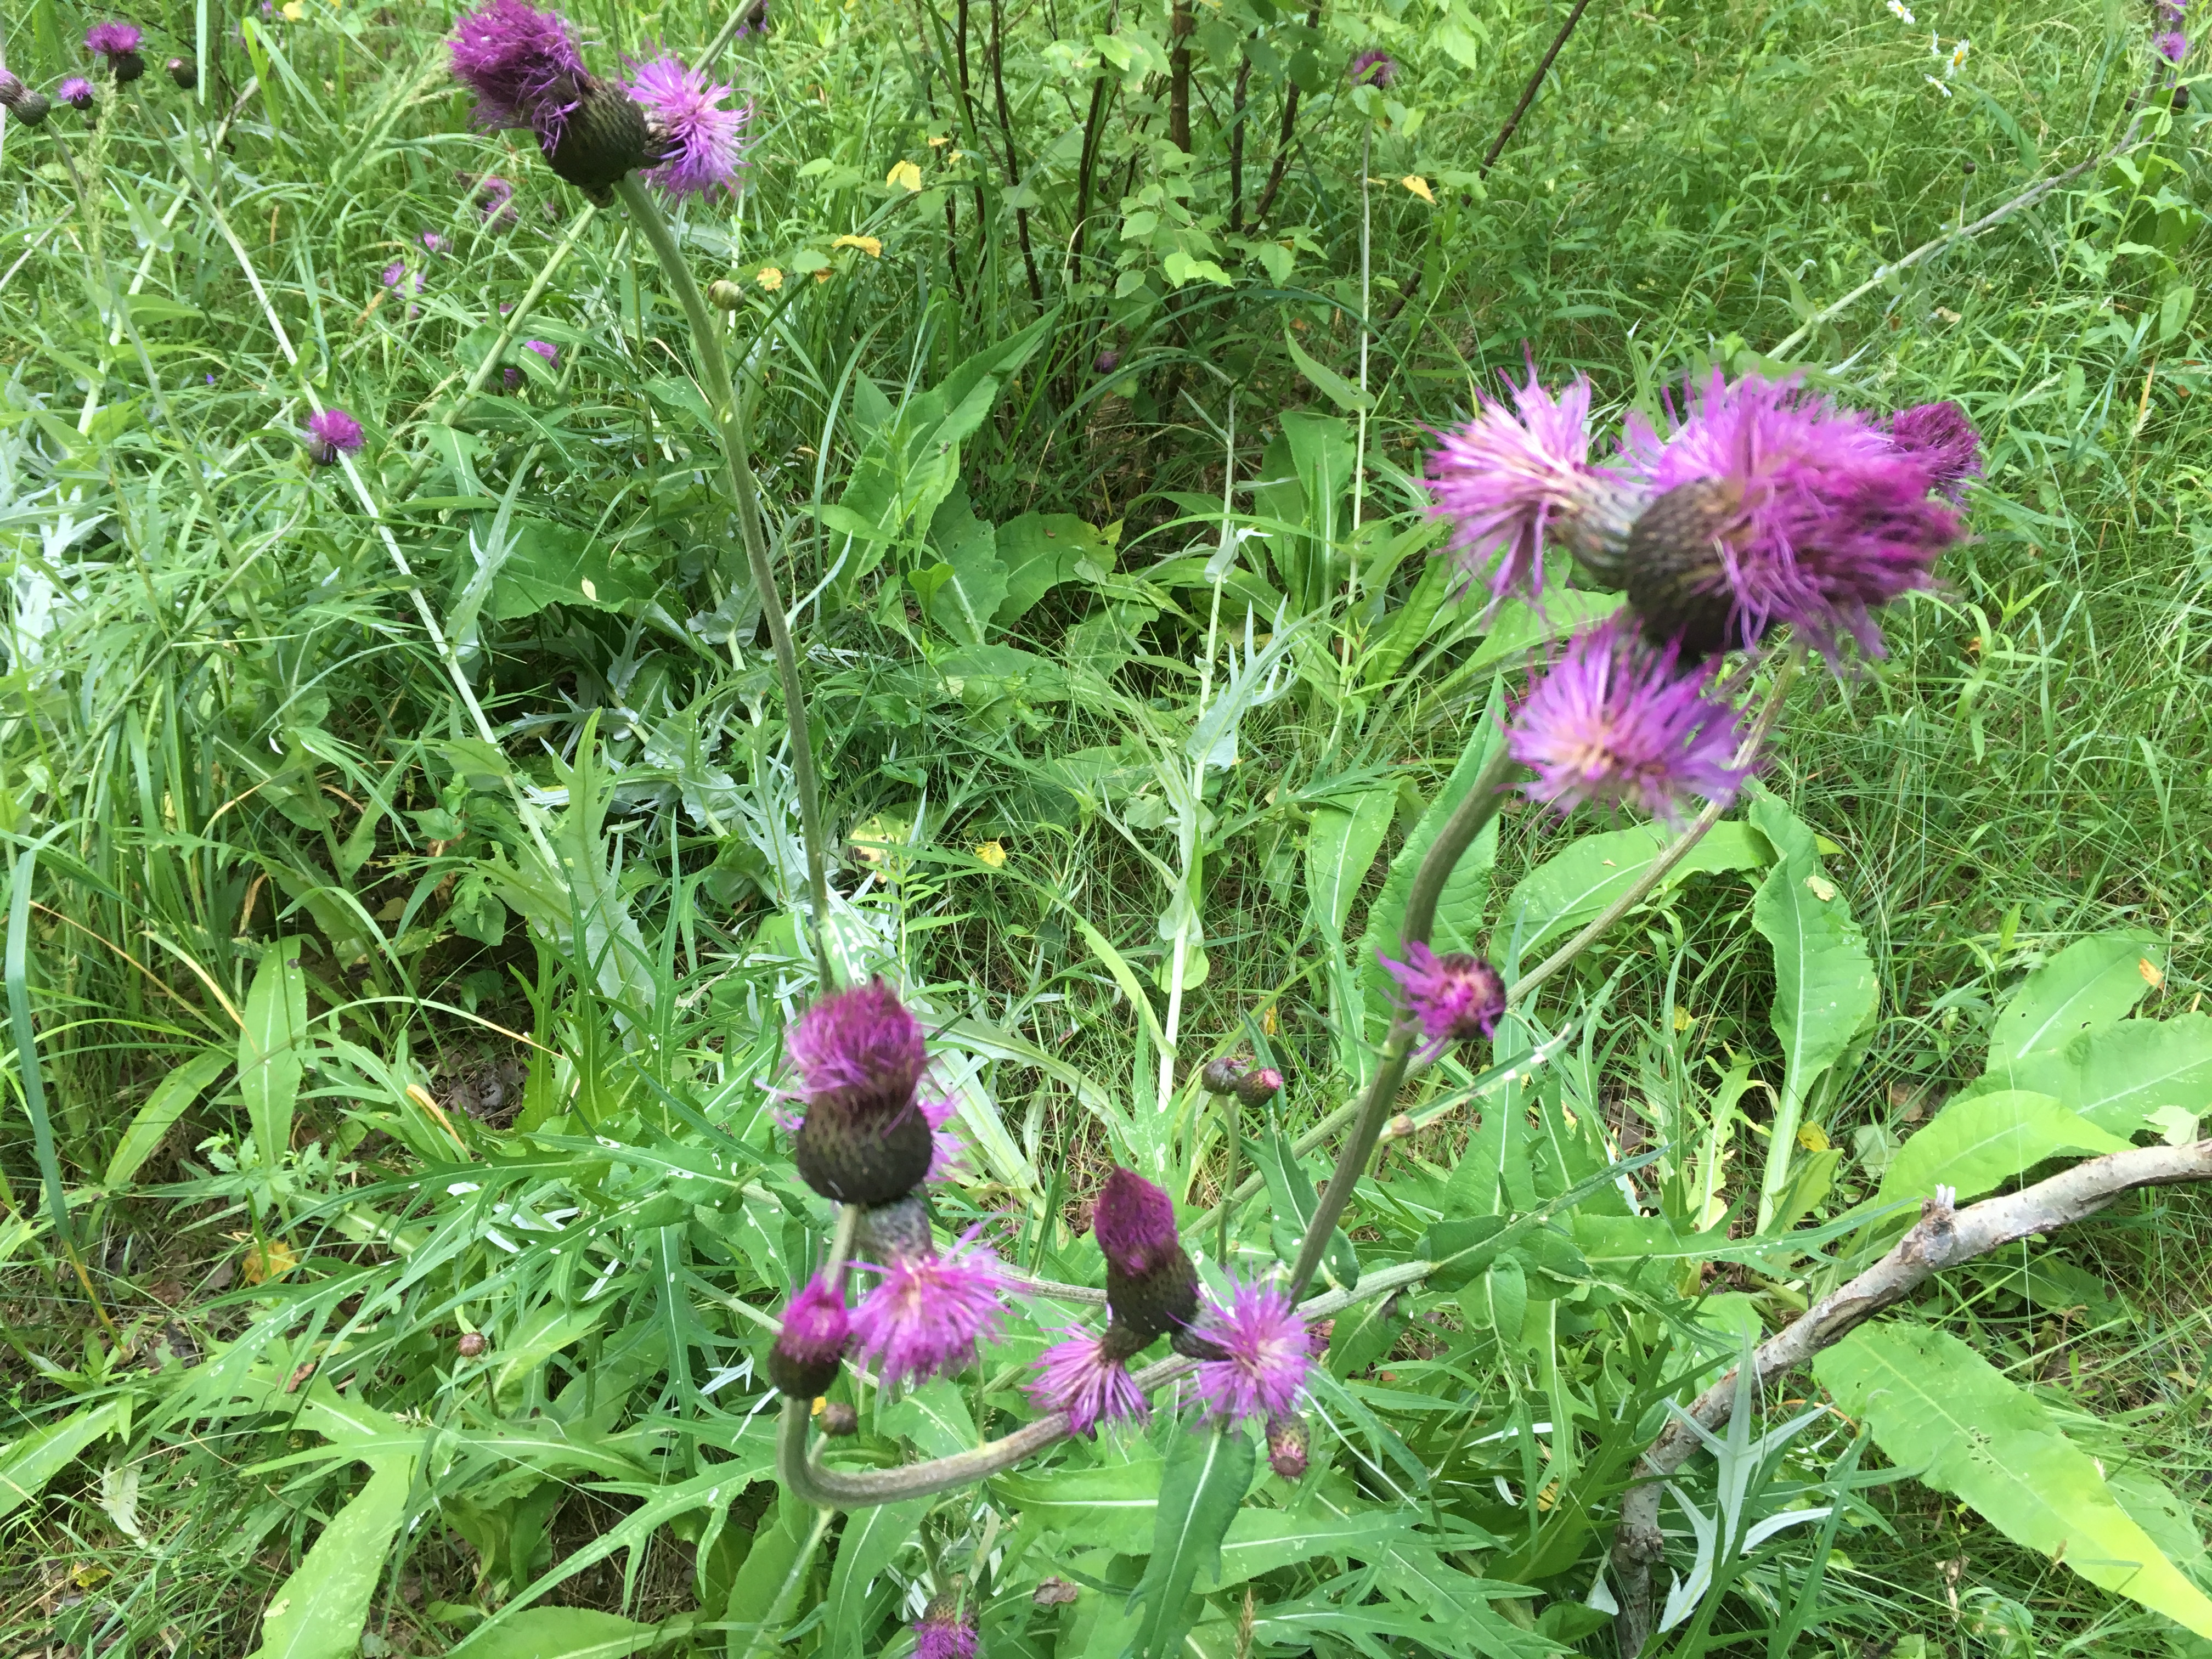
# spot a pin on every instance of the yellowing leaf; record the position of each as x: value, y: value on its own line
x: 294, y: 11
x: 272, y: 1260
x: 2152, y: 974
x: 1682, y: 1020
x: 905, y: 176
x: 1268, y: 1019
x: 770, y: 278
x: 940, y: 141
x: 867, y: 244
x: 1813, y: 1138
x: 991, y: 853
x: 1419, y: 187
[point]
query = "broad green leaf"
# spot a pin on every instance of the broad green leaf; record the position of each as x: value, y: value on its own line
x: 269, y: 1063
x: 934, y: 1416
x: 1573, y: 886
x: 551, y: 564
x: 1113, y: 1506
x: 37, y: 1457
x: 1341, y: 391
x: 564, y: 1633
x: 769, y: 1579
x: 171, y: 1095
x: 1935, y: 1405
x: 1340, y: 848
x: 1040, y: 550
x: 1260, y: 1540
x: 1979, y: 1143
x: 2117, y: 1076
x: 1201, y: 1489
x: 971, y: 584
x: 318, y: 1611
x: 1824, y: 986
x: 872, y: 1539
x: 2093, y: 982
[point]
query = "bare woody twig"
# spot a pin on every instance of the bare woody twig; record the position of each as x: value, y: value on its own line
x: 1282, y: 160
x: 1535, y: 84
x: 1943, y: 1237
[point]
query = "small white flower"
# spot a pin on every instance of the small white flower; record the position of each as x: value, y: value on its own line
x: 1938, y: 85
x: 1899, y: 10
x: 1957, y: 58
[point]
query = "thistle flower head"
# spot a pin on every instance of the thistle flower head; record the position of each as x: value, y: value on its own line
x: 946, y: 1149
x: 26, y: 104
x: 864, y: 1138
x: 393, y: 274
x: 1134, y: 1223
x: 1774, y: 506
x: 432, y: 242
x: 523, y: 67
x: 550, y: 353
x: 1087, y: 1377
x: 1107, y: 361
x: 331, y: 432
x: 2171, y: 45
x: 1264, y: 1351
x: 1373, y: 67
x: 1617, y: 722
x: 1942, y: 439
x: 942, y: 1633
x: 1513, y: 477
x: 1287, y: 1441
x: 112, y: 39
x: 811, y: 1341
x: 1260, y: 1086
x: 1455, y: 998
x: 76, y: 92
x: 930, y: 1311
x: 702, y: 145
x: 496, y: 201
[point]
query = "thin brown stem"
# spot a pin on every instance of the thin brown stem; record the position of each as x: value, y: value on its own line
x: 1180, y: 26
x: 1013, y: 160
x: 1282, y: 162
x: 1237, y: 144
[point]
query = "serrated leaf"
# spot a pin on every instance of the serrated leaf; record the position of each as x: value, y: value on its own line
x: 1260, y: 1540
x: 2092, y: 983
x: 1201, y: 1490
x: 1113, y: 1506
x: 1981, y: 1141
x: 1935, y: 1405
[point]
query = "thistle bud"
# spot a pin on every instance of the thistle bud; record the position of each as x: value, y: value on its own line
x: 865, y: 1138
x: 29, y: 106
x: 1399, y: 1127
x: 1224, y: 1075
x: 836, y: 1417
x: 726, y: 294
x: 125, y: 67
x: 1151, y: 1286
x: 810, y: 1345
x: 184, y: 72
x: 471, y: 1345
x: 1257, y: 1088
x: 1286, y: 1446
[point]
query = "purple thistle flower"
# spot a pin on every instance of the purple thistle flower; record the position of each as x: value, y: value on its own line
x: 523, y: 67
x: 930, y: 1312
x: 434, y: 243
x: 1373, y: 67
x: 2172, y: 45
x: 1774, y: 506
x: 496, y: 201
x: 811, y: 1341
x: 1107, y: 361
x: 864, y: 1138
x: 1510, y: 478
x: 331, y: 432
x: 1455, y: 998
x: 550, y: 353
x: 1264, y: 1348
x: 112, y: 39
x: 76, y: 92
x: 1616, y: 720
x: 1134, y: 1223
x: 393, y: 274
x: 943, y: 1633
x: 702, y: 145
x: 1088, y: 1377
x: 1941, y: 439
x: 946, y: 1149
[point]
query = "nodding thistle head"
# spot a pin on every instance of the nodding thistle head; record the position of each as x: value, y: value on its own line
x: 1260, y: 1085
x: 26, y: 104
x: 1087, y: 1377
x: 1372, y: 68
x: 864, y: 1137
x: 1286, y: 1445
x: 118, y: 43
x: 1224, y: 1075
x: 526, y: 72
x: 1455, y: 998
x: 811, y: 1344
x: 1151, y: 1286
x: 932, y: 1309
x: 332, y: 432
x: 184, y: 72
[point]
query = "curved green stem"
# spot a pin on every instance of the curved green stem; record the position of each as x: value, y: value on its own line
x: 1476, y: 808
x: 744, y: 497
x: 848, y: 1489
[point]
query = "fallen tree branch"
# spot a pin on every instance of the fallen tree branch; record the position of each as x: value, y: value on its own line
x: 1943, y: 1237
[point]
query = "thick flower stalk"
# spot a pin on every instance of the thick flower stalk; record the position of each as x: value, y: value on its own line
x: 863, y: 1137
x: 1621, y: 723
